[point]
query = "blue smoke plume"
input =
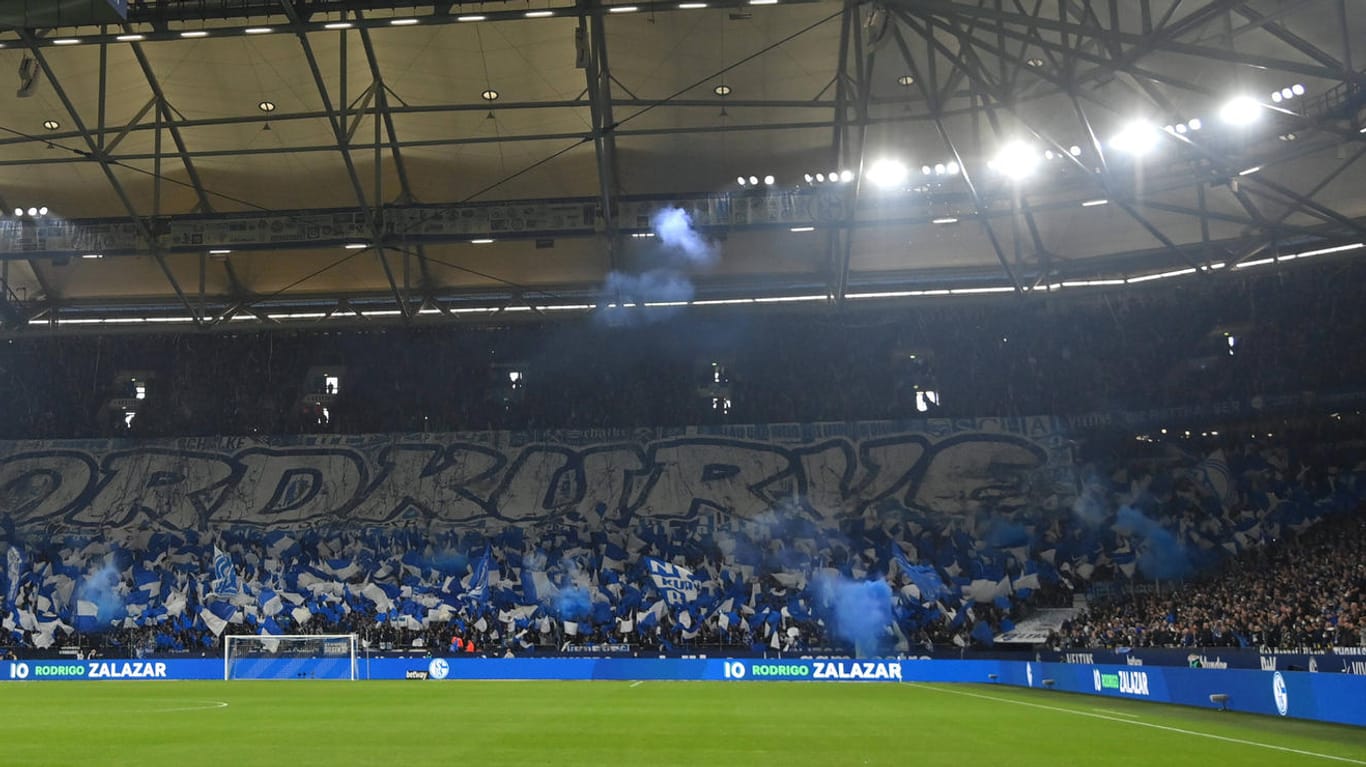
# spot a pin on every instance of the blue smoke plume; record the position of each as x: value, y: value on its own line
x: 1160, y: 554
x: 101, y: 587
x: 1004, y: 534
x: 858, y: 612
x: 681, y: 247
x: 573, y: 603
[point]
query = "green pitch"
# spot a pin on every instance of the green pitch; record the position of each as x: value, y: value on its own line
x: 400, y: 724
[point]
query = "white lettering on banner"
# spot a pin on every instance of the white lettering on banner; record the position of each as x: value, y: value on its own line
x: 735, y: 669
x: 127, y: 670
x: 18, y: 671
x: 1084, y: 658
x: 1133, y: 682
x: 465, y: 479
x: 1268, y: 662
x: 1132, y: 661
x: 856, y: 670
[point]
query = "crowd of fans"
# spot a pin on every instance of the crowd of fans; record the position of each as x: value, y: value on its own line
x: 1306, y: 591
x: 1177, y: 344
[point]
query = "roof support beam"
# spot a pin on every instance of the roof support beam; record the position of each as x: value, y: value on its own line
x: 99, y: 156
x: 160, y: 96
x: 598, y: 75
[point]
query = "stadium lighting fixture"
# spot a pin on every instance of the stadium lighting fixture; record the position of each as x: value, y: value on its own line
x: 753, y: 180
x: 763, y: 2
x: 33, y: 211
x: 1094, y: 203
x: 481, y: 241
x: 1250, y: 171
x: 939, y: 169
x: 623, y: 9
x: 1297, y: 89
x: 1136, y: 139
x: 266, y: 106
x: 42, y: 211
x: 906, y: 81
x: 1016, y: 160
x: 820, y: 178
x: 768, y: 180
x: 337, y: 25
x: 194, y: 33
x: 92, y: 256
x: 846, y: 176
x: 258, y: 30
x: 741, y: 180
x: 355, y: 245
x: 945, y: 220
x: 1195, y: 124
x: 802, y: 229
x: 927, y: 170
x: 809, y: 178
x: 470, y: 18
x: 1075, y: 151
x: 539, y: 14
x: 888, y: 173
x: 51, y: 124
x: 691, y: 6
x: 130, y: 38
x: 1240, y: 111
x: 403, y: 22
x: 721, y: 90
x: 18, y: 211
x: 489, y: 95
x: 952, y: 168
x: 67, y: 41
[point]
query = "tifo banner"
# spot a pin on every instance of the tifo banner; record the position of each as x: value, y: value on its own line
x: 498, y: 478
x: 1324, y: 697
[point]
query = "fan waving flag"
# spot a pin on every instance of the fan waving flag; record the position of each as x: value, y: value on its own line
x: 478, y: 589
x: 224, y: 576
x: 674, y: 582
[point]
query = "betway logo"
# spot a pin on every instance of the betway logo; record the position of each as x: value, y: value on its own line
x: 1125, y: 682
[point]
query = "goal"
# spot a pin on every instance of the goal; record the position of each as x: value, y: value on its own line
x: 303, y: 656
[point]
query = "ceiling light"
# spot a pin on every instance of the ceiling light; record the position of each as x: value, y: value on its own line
x: 768, y: 180
x: 622, y: 9
x: 763, y: 2
x: 1195, y: 124
x: 33, y: 211
x: 1277, y: 97
x: 1075, y: 151
x: 1035, y: 63
x: 1240, y: 110
x: 1016, y: 160
x: 809, y: 178
x: 130, y: 38
x: 1297, y: 89
x: 721, y: 90
x: 952, y: 168
x: 219, y: 252
x: 1094, y: 203
x: 66, y: 41
x: 691, y: 6
x: 92, y: 256
x: 887, y: 173
x: 266, y: 106
x: 489, y: 95
x: 905, y: 81
x: 403, y: 22
x: 939, y: 169
x: 802, y: 229
x: 820, y: 178
x: 194, y: 33
x: 1287, y: 94
x: 945, y: 220
x: 846, y: 176
x: 42, y: 211
x: 753, y: 180
x: 1048, y: 154
x: 539, y: 14
x: 355, y: 246
x: 1250, y: 171
x: 258, y: 30
x: 470, y: 18
x: 51, y: 124
x: 741, y: 180
x: 1181, y: 128
x: 1136, y: 139
x: 337, y: 25
x: 1288, y: 137
x: 482, y: 241
x: 18, y: 211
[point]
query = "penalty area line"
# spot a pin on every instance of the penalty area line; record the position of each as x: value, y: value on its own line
x: 1137, y: 723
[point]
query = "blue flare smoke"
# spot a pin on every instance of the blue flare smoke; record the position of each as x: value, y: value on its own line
x: 1160, y: 554
x: 101, y: 587
x: 673, y: 227
x: 857, y: 612
x: 573, y: 603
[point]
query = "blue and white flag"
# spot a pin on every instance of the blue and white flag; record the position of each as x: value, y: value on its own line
x: 14, y: 572
x: 478, y: 589
x: 924, y: 577
x: 224, y: 576
x: 674, y: 582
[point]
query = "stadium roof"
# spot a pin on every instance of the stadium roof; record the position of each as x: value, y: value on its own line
x: 208, y: 163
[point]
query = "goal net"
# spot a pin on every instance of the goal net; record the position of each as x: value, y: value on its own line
x: 321, y: 656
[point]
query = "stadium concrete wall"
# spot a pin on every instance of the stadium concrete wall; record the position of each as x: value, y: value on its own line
x: 1333, y: 698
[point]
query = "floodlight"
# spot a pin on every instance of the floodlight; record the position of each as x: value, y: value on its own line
x: 768, y: 180
x: 1137, y: 138
x: 1016, y: 160
x: 1240, y: 111
x: 888, y: 173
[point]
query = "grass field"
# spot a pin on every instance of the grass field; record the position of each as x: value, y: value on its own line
x: 293, y: 724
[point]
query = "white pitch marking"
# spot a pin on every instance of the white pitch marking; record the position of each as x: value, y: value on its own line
x: 637, y: 684
x: 1116, y: 713
x: 1212, y: 736
x: 207, y: 705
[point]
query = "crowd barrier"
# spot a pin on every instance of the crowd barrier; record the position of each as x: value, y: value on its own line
x: 1304, y: 695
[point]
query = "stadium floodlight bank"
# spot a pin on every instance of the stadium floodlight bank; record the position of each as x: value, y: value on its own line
x: 301, y: 656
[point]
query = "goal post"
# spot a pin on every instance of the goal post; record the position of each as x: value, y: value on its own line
x: 290, y: 656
